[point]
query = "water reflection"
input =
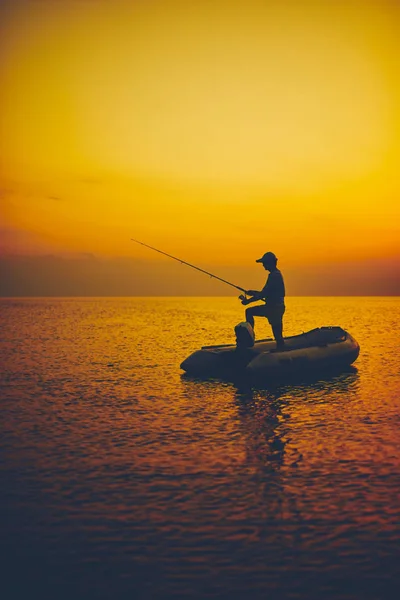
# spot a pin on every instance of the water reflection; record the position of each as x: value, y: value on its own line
x: 265, y: 437
x: 261, y: 419
x: 264, y: 414
x: 178, y: 485
x: 273, y: 452
x: 311, y: 385
x: 308, y: 379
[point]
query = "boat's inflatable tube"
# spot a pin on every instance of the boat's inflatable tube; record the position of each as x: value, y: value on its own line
x: 316, y: 350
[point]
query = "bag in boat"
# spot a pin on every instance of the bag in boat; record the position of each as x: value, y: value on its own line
x: 244, y: 335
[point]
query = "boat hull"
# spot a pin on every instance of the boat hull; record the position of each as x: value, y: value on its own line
x: 316, y: 350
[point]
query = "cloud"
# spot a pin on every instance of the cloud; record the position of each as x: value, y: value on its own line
x: 15, y: 241
x: 88, y: 275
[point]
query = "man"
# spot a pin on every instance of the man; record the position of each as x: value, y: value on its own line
x: 274, y: 295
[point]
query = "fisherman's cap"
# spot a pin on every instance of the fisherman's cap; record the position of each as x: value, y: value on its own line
x: 268, y: 257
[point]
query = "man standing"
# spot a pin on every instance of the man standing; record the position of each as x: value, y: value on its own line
x: 273, y: 293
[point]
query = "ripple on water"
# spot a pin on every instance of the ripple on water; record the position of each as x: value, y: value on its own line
x: 120, y: 476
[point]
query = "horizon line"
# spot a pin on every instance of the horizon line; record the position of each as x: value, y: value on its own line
x: 197, y: 296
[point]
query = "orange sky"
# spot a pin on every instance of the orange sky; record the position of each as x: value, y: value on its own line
x: 215, y: 130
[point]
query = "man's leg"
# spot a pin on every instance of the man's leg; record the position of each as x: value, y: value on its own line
x: 255, y: 311
x: 276, y: 321
x: 277, y: 328
x: 249, y: 316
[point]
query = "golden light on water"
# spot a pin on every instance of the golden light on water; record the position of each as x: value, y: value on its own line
x: 213, y: 130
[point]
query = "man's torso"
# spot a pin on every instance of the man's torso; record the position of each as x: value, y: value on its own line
x: 274, y: 289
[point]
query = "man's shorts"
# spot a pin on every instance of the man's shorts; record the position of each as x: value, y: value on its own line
x: 274, y: 313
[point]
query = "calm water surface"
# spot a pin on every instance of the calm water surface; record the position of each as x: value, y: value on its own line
x: 122, y: 478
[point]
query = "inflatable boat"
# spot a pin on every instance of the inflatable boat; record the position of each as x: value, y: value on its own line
x: 320, y: 349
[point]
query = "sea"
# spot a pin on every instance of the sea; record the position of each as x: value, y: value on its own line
x: 122, y: 477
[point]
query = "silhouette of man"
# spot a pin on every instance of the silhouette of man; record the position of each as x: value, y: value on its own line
x: 274, y: 295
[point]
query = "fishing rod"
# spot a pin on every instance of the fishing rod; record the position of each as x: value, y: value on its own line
x: 183, y: 262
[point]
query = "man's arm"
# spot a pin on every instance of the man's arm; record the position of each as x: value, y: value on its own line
x: 254, y: 297
x: 258, y: 295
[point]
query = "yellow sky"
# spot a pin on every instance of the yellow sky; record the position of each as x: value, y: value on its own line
x: 215, y: 130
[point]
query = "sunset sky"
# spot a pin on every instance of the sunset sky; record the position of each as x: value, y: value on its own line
x: 214, y: 130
